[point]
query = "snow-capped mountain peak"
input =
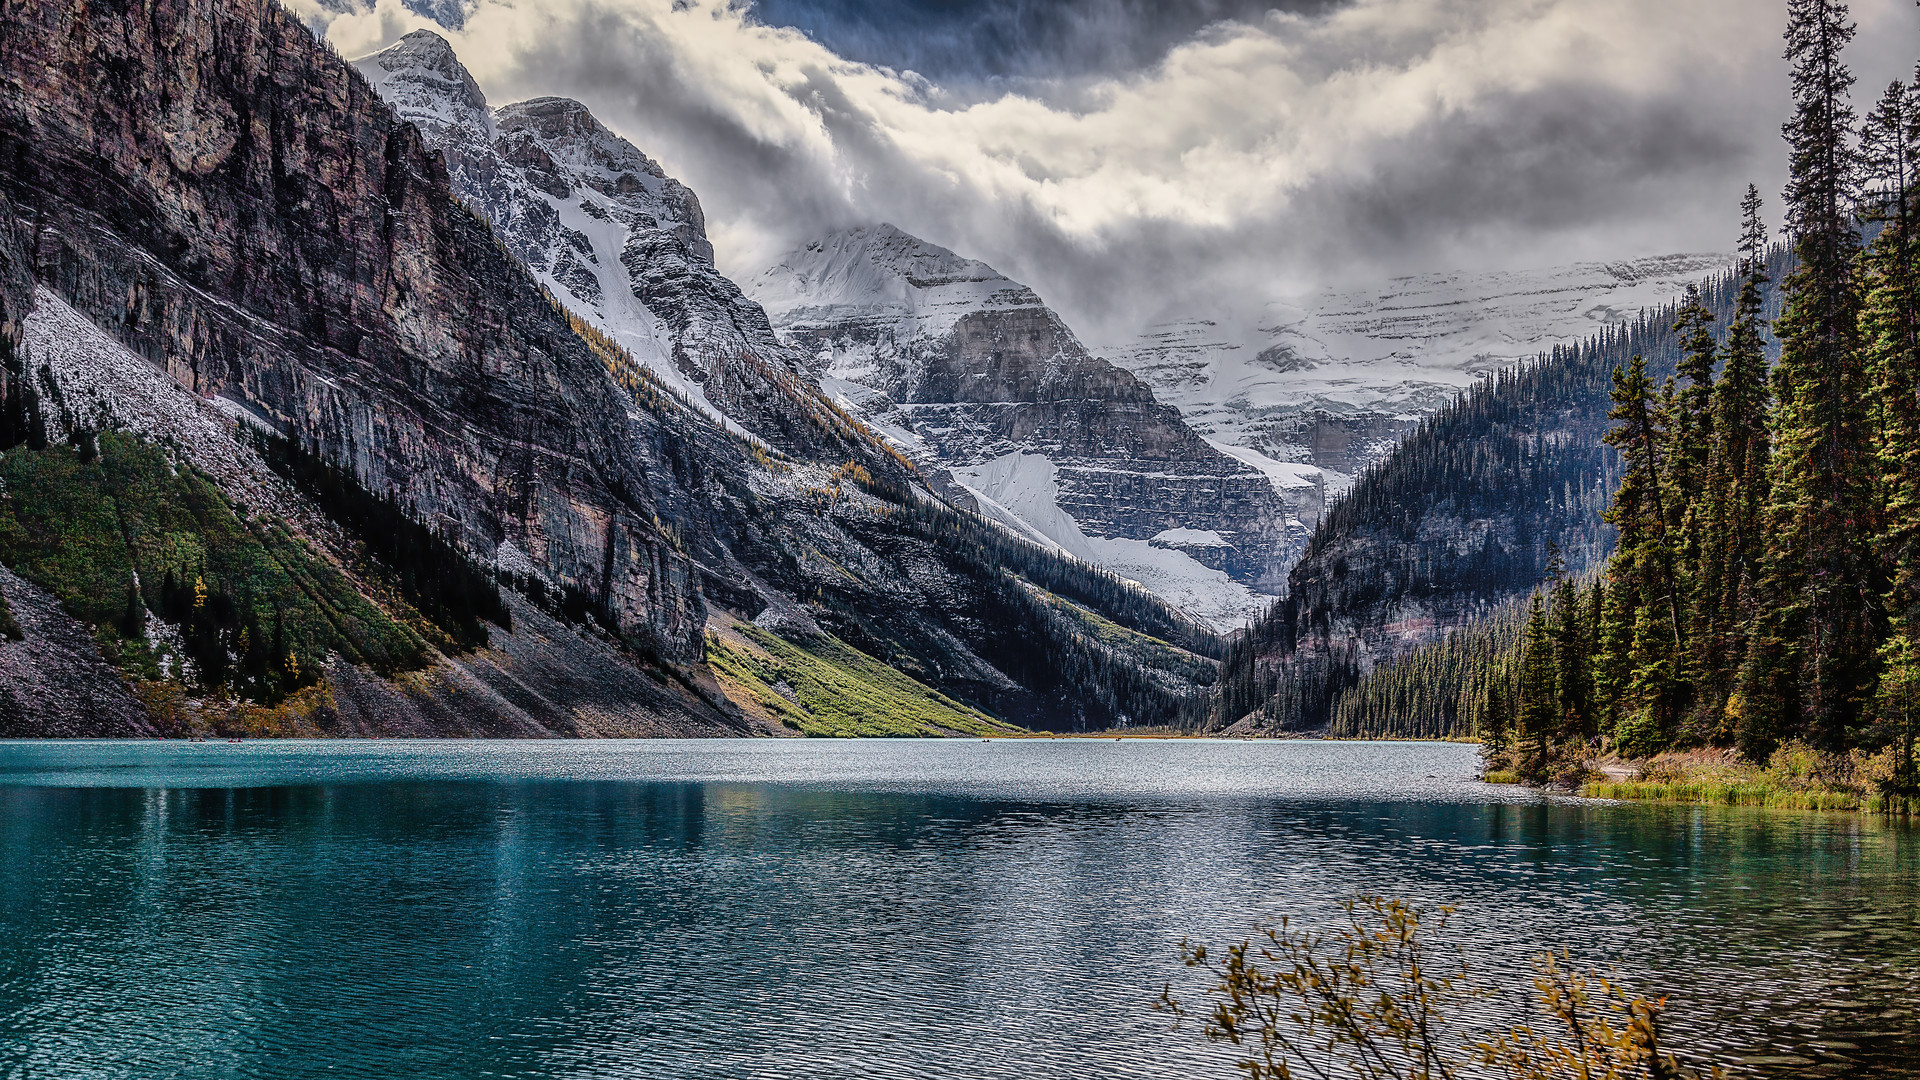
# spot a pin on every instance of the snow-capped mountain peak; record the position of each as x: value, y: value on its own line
x: 425, y: 83
x: 973, y: 376
x: 562, y: 147
x: 602, y: 226
x: 879, y: 270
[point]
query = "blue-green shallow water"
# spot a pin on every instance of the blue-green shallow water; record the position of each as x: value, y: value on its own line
x: 859, y: 909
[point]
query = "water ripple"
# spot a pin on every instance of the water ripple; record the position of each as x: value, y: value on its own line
x: 972, y: 910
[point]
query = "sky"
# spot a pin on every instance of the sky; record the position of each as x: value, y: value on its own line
x: 1135, y: 160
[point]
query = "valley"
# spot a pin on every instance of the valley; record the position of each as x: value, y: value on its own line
x: 793, y: 538
x: 632, y: 488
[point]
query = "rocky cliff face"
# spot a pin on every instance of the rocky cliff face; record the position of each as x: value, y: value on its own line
x: 235, y: 212
x: 239, y: 208
x: 53, y: 681
x: 616, y: 239
x: 603, y: 227
x: 972, y: 374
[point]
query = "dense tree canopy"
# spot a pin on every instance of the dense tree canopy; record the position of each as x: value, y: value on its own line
x: 1763, y: 586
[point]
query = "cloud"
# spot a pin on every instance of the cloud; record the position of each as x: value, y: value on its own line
x: 956, y: 42
x: 1328, y: 144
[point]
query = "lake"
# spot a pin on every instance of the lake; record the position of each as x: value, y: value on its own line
x: 954, y: 909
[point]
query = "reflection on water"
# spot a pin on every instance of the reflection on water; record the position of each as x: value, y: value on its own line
x: 859, y: 910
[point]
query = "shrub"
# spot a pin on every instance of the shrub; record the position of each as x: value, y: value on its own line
x: 1374, y: 998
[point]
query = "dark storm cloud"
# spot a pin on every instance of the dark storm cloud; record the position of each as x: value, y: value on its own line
x: 963, y: 40
x: 1552, y: 162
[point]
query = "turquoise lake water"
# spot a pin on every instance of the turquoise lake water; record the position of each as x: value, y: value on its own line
x: 956, y: 909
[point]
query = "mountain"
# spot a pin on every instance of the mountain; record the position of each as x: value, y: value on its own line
x: 974, y: 377
x: 604, y: 228
x: 1463, y: 516
x: 1334, y: 379
x: 295, y: 442
x: 1044, y: 436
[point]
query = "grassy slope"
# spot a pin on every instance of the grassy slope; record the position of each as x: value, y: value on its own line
x: 835, y: 689
x: 82, y: 527
x: 1145, y: 650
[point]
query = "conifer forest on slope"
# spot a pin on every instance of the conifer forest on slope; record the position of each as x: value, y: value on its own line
x: 1764, y: 585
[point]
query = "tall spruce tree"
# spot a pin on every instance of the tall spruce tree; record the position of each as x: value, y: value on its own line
x: 1573, y: 658
x: 1613, y: 633
x: 1697, y: 490
x: 1640, y: 507
x: 1742, y: 452
x: 1648, y: 634
x: 1813, y: 667
x: 1890, y: 142
x: 1539, y: 715
x: 1693, y: 424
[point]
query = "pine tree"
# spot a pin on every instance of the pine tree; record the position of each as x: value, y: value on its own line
x: 1697, y: 490
x: 1495, y: 726
x: 1891, y: 323
x: 1539, y: 699
x: 1765, y: 582
x: 1640, y: 506
x: 1693, y: 425
x: 20, y: 419
x: 1819, y: 589
x: 133, y: 621
x: 1613, y: 668
x: 1573, y: 672
x: 1742, y: 451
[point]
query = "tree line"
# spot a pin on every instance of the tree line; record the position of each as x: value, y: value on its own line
x: 1519, y: 461
x: 1765, y: 584
x: 442, y: 581
x: 1447, y: 690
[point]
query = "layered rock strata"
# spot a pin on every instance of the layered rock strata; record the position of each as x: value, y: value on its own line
x: 232, y: 204
x: 972, y: 374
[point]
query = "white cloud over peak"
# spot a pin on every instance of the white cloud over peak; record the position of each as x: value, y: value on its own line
x: 1378, y: 137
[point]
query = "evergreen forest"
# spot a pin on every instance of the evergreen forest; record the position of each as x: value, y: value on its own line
x: 1764, y: 585
x: 1509, y: 481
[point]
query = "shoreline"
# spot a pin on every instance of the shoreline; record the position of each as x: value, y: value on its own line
x: 1758, y: 794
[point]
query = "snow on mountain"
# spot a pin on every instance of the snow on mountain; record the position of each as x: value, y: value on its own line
x: 600, y: 224
x: 972, y: 374
x: 1022, y: 492
x: 947, y: 357
x: 1196, y: 462
x: 879, y: 272
x: 1333, y: 378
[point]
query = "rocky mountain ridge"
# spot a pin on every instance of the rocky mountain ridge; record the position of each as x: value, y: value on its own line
x: 238, y: 224
x: 1464, y: 517
x: 971, y: 374
x: 1015, y: 403
x: 603, y: 227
